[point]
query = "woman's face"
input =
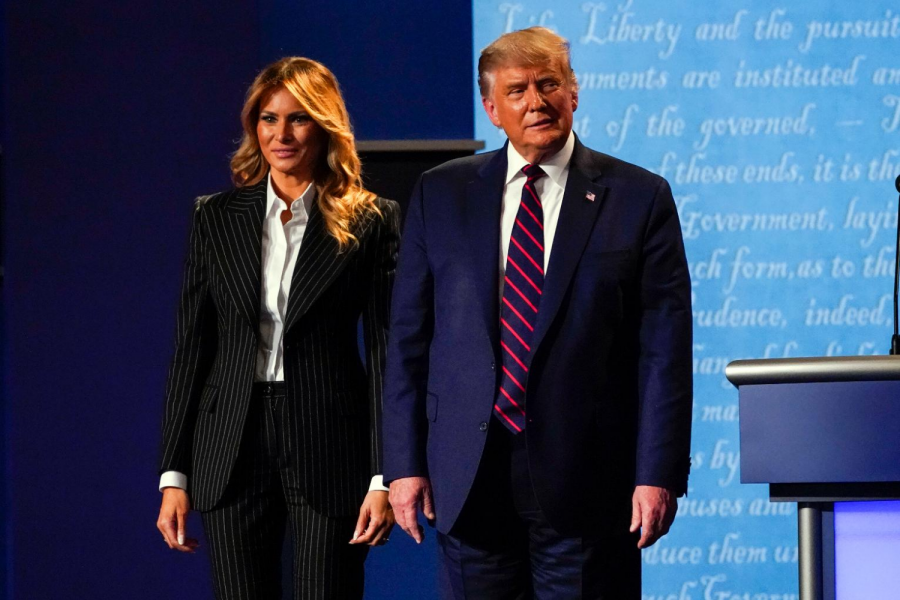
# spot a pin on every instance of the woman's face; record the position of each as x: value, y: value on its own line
x: 290, y: 140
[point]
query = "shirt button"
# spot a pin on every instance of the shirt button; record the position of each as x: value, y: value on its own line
x: 482, y: 426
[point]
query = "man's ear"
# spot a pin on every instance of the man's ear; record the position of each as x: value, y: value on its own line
x: 491, y: 109
x: 574, y: 100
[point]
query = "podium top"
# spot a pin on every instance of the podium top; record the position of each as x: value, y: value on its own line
x: 813, y: 369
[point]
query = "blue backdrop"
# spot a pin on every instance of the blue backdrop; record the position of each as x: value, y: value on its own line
x: 116, y: 115
x: 778, y: 127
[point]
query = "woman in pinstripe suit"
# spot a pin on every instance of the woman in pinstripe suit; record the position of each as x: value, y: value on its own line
x: 271, y: 418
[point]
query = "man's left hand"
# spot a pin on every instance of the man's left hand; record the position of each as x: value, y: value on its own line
x: 652, y: 511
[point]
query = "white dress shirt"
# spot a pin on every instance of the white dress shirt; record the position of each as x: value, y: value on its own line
x: 280, y: 248
x: 550, y: 190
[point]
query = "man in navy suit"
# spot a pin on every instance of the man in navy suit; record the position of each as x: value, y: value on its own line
x: 538, y: 387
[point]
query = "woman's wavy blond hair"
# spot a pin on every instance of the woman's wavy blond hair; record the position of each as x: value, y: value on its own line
x: 341, y: 196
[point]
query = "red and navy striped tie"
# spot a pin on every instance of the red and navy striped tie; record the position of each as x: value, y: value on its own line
x: 522, y: 288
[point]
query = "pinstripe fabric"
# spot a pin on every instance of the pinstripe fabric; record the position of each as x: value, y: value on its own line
x: 246, y: 529
x: 333, y: 409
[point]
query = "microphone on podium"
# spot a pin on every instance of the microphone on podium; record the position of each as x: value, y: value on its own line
x: 895, y: 339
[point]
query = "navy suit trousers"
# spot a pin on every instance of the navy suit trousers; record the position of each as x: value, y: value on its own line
x: 503, y: 548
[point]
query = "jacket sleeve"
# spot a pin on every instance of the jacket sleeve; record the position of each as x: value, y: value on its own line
x: 195, y: 346
x: 376, y: 321
x: 412, y: 327
x: 664, y: 369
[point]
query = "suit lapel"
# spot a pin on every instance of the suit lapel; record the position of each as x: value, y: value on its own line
x: 581, y: 204
x: 239, y: 246
x: 319, y: 262
x: 483, y: 201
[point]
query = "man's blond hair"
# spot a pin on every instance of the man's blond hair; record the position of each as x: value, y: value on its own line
x: 532, y: 47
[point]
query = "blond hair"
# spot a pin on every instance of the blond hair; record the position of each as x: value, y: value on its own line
x: 342, y: 198
x: 535, y: 46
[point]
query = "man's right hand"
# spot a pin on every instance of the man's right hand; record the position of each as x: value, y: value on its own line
x: 408, y: 496
x: 172, y: 522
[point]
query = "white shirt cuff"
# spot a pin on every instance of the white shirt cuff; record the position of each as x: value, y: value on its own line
x: 173, y: 479
x: 377, y: 484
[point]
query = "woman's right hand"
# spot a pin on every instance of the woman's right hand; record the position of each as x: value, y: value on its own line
x: 172, y: 522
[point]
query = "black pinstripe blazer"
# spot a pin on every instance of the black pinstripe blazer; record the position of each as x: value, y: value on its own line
x: 333, y: 409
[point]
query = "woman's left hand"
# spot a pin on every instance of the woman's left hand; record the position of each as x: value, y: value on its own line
x: 376, y: 519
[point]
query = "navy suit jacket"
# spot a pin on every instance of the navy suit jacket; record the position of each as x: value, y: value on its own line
x: 609, y: 389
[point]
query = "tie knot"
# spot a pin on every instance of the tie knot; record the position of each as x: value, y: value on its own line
x: 533, y: 171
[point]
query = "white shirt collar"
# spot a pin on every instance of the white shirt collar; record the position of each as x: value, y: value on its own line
x: 555, y: 166
x: 308, y: 195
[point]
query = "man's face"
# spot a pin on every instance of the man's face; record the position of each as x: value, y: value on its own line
x: 534, y: 106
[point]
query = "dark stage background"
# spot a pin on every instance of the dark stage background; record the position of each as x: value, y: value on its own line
x: 114, y: 117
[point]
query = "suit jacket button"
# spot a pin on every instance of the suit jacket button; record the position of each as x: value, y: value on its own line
x: 482, y: 426
x: 493, y: 366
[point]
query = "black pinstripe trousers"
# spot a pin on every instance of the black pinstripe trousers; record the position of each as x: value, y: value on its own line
x: 245, y: 531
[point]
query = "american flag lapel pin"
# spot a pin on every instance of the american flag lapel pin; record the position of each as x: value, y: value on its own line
x: 590, y: 196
